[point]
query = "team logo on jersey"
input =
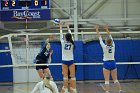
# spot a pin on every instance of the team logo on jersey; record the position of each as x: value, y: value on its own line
x: 46, y: 53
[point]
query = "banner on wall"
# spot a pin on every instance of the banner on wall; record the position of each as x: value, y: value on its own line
x: 19, y: 15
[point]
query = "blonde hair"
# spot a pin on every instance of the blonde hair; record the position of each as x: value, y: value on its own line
x: 46, y: 82
x: 108, y: 41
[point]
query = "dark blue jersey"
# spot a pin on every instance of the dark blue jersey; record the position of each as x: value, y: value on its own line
x: 44, y: 54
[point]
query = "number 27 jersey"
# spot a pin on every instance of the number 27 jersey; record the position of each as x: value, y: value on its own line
x: 67, y: 51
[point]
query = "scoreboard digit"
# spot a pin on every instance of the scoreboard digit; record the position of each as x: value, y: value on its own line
x: 13, y: 3
x: 6, y: 3
x: 36, y: 2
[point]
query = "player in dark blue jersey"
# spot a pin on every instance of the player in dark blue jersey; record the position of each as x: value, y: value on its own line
x: 42, y: 58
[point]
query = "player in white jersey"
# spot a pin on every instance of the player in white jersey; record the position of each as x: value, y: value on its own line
x: 46, y: 85
x: 109, y: 66
x: 67, y: 44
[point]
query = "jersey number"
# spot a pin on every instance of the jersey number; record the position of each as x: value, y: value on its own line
x: 46, y: 53
x: 109, y: 50
x: 67, y: 46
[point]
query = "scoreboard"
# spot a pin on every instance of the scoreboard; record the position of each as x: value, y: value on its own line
x: 22, y: 4
x: 12, y: 10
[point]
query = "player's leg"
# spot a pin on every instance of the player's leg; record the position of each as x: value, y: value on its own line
x: 72, y: 79
x: 65, y: 78
x: 39, y: 68
x: 106, y: 73
x: 40, y: 73
x: 47, y: 70
x: 114, y: 77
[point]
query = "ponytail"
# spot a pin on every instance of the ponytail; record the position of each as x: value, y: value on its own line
x: 68, y: 37
x: 72, y: 43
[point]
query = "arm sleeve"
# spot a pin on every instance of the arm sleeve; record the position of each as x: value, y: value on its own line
x: 101, y: 42
x: 35, y: 88
x: 112, y: 40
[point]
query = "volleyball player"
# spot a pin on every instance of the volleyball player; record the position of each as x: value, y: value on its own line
x: 42, y: 58
x: 109, y: 66
x: 46, y: 85
x: 68, y: 46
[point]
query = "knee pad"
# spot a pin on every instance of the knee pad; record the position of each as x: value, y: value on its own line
x: 65, y: 78
x: 65, y: 82
x: 73, y: 78
x: 106, y: 82
x: 116, y: 81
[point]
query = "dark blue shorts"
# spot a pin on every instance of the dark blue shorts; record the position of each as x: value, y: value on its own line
x: 68, y: 62
x: 110, y: 65
x: 41, y: 67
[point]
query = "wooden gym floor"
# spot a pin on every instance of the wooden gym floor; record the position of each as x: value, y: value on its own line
x: 82, y: 87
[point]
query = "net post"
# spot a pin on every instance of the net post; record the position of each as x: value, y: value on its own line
x: 11, y: 48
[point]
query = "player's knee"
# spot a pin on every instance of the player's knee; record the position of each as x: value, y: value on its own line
x: 116, y: 81
x: 65, y: 78
x: 106, y: 82
x: 72, y: 77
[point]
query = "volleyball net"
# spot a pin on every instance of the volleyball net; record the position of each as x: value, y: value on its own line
x: 19, y: 51
x: 24, y: 47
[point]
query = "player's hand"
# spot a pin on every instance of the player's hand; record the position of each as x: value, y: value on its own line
x: 106, y: 27
x: 97, y: 26
x: 66, y: 24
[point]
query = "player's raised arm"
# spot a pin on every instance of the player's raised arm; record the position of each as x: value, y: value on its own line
x: 68, y: 28
x: 106, y: 29
x: 97, y: 30
x: 99, y: 36
x: 61, y: 31
x: 108, y: 32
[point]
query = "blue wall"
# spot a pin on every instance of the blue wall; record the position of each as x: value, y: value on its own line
x: 6, y: 74
x: 126, y: 51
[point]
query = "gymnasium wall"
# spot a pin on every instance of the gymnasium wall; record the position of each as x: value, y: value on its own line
x: 6, y: 74
x: 126, y: 51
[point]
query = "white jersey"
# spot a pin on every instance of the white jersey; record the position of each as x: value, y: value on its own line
x: 67, y: 49
x: 42, y: 89
x: 108, y: 51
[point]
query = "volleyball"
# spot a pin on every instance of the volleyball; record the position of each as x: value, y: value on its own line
x: 56, y: 21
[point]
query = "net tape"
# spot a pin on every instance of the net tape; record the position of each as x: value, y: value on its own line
x: 59, y: 64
